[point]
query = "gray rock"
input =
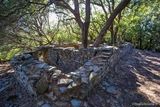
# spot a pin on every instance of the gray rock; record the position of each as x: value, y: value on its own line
x: 88, y: 68
x: 27, y: 56
x: 106, y: 84
x: 40, y: 103
x: 50, y: 96
x: 112, y: 90
x: 88, y: 63
x: 56, y: 73
x: 72, y: 85
x: 63, y: 89
x: 95, y: 68
x: 64, y: 81
x: 92, y: 76
x: 46, y: 105
x: 62, y: 104
x: 42, y: 85
x: 76, y: 103
x: 52, y: 68
x: 85, y: 79
x: 41, y: 65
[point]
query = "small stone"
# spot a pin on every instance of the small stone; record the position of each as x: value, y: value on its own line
x: 42, y: 85
x: 63, y: 89
x: 67, y: 75
x: 85, y: 104
x: 52, y: 68
x: 81, y: 69
x: 105, y: 83
x: 41, y: 65
x: 112, y: 90
x: 88, y: 68
x: 62, y: 104
x: 40, y: 103
x: 56, y: 90
x: 27, y: 56
x: 84, y: 77
x: 76, y: 103
x: 73, y: 73
x: 46, y: 105
x: 50, y: 96
x: 64, y: 81
x: 85, y: 80
x: 56, y: 73
x: 35, y: 76
x: 73, y: 84
x: 92, y: 76
x: 88, y: 63
x: 95, y: 68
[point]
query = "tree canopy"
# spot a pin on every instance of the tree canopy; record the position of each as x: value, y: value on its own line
x: 27, y: 24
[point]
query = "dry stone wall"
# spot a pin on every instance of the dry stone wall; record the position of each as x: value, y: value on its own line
x: 67, y: 73
x: 69, y: 59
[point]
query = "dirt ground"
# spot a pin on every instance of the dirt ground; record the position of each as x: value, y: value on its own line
x: 135, y: 83
x: 147, y: 71
x: 136, y: 80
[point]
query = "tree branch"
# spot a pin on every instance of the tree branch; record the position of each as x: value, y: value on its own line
x: 110, y: 20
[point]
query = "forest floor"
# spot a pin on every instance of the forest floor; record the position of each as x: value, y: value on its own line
x: 135, y: 83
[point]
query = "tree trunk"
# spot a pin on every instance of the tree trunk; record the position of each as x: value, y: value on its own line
x: 84, y: 36
x: 140, y: 41
x: 85, y: 27
x: 112, y: 34
x: 115, y: 34
x: 110, y: 20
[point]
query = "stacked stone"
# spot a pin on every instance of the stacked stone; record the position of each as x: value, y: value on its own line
x: 6, y: 81
x: 39, y: 78
x: 69, y: 59
x: 30, y: 72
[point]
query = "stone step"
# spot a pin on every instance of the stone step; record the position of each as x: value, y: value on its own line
x: 103, y: 57
x: 100, y: 64
x: 106, y: 53
x: 103, y: 60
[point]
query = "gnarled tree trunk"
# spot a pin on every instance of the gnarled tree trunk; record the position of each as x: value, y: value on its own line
x: 110, y: 20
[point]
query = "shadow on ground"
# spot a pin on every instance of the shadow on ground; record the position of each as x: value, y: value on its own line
x: 135, y: 82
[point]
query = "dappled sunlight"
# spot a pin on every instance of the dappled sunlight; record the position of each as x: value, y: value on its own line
x: 151, y: 90
x: 148, y: 75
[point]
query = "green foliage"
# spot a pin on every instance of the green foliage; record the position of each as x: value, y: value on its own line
x: 66, y: 35
x: 142, y: 26
x: 7, y: 55
x: 139, y: 24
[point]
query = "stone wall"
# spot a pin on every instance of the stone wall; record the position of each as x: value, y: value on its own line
x: 70, y: 59
x: 51, y: 78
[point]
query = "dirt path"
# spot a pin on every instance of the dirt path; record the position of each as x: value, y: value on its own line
x: 148, y: 74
